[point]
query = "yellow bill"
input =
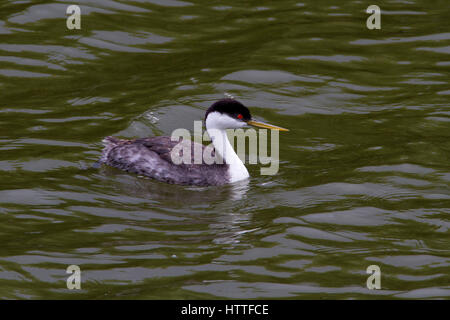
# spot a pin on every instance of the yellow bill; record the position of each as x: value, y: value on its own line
x: 265, y: 125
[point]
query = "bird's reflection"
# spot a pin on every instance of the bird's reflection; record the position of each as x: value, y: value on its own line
x: 221, y: 208
x: 175, y: 194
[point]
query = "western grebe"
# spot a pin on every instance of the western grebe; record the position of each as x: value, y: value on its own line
x: 152, y: 156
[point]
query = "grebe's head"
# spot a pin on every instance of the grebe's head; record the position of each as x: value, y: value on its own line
x: 231, y: 114
x: 227, y: 114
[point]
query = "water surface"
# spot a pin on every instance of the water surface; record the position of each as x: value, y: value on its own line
x: 364, y: 172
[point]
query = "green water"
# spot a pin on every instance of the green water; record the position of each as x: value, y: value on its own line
x: 364, y: 171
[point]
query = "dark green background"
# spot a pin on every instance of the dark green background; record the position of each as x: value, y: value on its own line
x: 364, y: 173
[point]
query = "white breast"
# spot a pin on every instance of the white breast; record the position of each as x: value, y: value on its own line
x: 237, y: 172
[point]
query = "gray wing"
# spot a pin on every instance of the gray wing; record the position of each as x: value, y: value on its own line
x: 151, y: 157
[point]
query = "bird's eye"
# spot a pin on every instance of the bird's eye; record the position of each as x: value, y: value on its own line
x: 240, y: 116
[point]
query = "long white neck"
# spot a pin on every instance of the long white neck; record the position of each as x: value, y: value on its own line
x: 237, y: 170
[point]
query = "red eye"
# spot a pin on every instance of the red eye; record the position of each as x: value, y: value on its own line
x: 240, y: 116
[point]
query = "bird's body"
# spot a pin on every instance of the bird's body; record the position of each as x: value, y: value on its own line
x: 153, y: 157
